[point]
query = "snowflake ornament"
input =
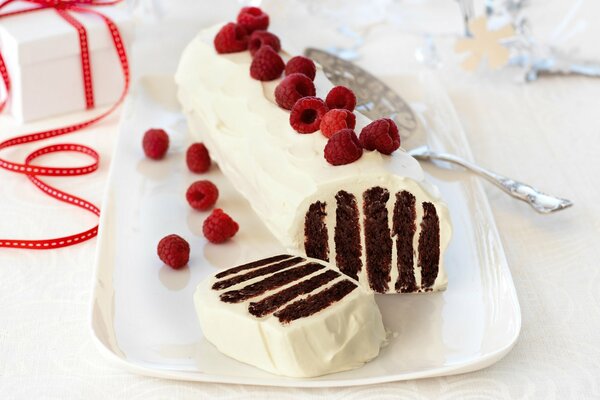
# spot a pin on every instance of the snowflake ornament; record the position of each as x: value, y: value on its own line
x: 484, y: 44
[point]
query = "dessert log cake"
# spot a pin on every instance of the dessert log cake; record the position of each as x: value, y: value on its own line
x: 376, y: 218
x: 290, y: 316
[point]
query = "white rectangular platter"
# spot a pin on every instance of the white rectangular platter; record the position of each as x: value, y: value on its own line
x: 142, y: 313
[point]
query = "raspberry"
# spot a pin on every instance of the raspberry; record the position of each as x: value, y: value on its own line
x: 292, y: 88
x: 261, y: 38
x: 232, y: 38
x: 341, y: 97
x: 155, y: 143
x: 343, y: 148
x: 197, y: 158
x: 307, y: 113
x: 174, y: 251
x: 202, y: 195
x: 266, y: 65
x: 219, y: 227
x: 253, y: 19
x: 335, y: 120
x: 381, y: 135
x: 301, y: 65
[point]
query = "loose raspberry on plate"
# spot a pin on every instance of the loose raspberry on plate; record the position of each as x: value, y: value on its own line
x: 341, y: 97
x: 292, y: 88
x: 202, y: 195
x: 307, y: 113
x: 301, y: 65
x: 253, y: 19
x: 261, y: 38
x: 336, y: 120
x: 219, y: 227
x: 232, y: 38
x: 343, y: 148
x: 381, y: 135
x: 267, y: 64
x: 174, y: 251
x: 197, y: 158
x: 155, y: 143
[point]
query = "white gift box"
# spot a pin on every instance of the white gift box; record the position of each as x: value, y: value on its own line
x: 42, y: 54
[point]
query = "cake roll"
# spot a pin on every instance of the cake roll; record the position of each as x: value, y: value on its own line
x: 376, y: 218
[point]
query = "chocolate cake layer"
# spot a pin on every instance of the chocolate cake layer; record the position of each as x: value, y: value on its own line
x: 254, y: 264
x: 404, y: 228
x: 347, y: 234
x: 378, y: 241
x: 272, y: 303
x: 374, y: 228
x: 272, y: 282
x: 429, y: 246
x: 224, y: 284
x: 315, y: 232
x: 315, y: 303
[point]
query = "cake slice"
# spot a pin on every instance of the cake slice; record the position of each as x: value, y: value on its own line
x: 376, y: 218
x: 290, y: 316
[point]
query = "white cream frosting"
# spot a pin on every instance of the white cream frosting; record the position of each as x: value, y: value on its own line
x: 343, y: 336
x: 273, y: 166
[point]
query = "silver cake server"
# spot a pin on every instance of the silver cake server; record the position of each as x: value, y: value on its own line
x: 377, y: 100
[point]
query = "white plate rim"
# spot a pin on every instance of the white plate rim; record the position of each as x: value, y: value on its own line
x: 278, y: 381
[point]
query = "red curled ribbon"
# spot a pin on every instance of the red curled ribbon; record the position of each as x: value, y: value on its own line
x: 33, y: 171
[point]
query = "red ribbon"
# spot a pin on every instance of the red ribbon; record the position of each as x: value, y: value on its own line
x: 33, y: 171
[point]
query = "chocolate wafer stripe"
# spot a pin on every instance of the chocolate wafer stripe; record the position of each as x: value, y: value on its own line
x: 271, y: 303
x: 224, y: 284
x: 347, y: 234
x: 316, y: 302
x: 378, y: 240
x: 251, y: 265
x: 272, y: 282
x: 405, y: 226
x: 429, y: 246
x: 316, y: 241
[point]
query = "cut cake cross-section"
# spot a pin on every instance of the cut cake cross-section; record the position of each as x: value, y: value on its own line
x: 290, y: 316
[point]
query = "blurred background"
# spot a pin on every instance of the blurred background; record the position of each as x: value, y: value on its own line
x: 419, y: 32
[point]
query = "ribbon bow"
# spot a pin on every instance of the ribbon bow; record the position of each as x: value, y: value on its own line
x: 62, y: 7
x: 32, y: 171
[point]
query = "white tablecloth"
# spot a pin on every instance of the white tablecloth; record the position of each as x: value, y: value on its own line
x: 546, y: 133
